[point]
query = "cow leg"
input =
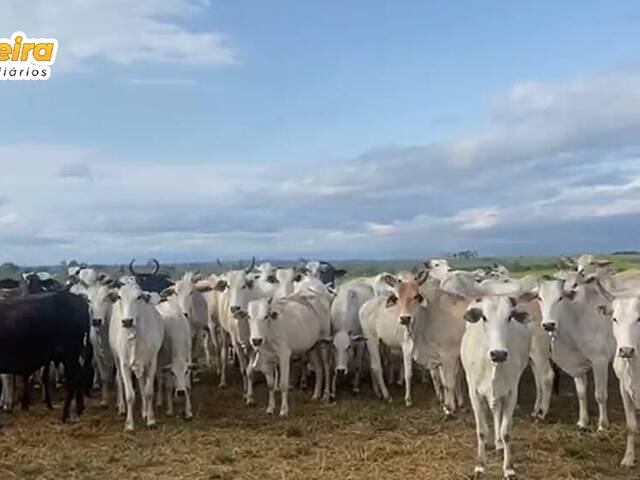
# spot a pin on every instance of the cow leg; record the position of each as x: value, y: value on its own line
x: 482, y: 431
x: 316, y: 362
x: 269, y: 374
x: 376, y: 368
x: 582, y: 382
x: 250, y: 369
x: 407, y: 357
x: 129, y: 396
x: 26, y: 397
x: 497, y: 411
x: 449, y: 374
x: 629, y: 459
x: 188, y: 410
x: 358, y: 359
x: 505, y: 433
x: 437, y: 383
x: 46, y: 386
x: 459, y: 392
x: 6, y: 400
x: 120, y: 402
x: 147, y: 393
x: 325, y: 369
x: 168, y: 392
x: 224, y: 355
x: 285, y: 362
x: 544, y: 376
x: 600, y: 380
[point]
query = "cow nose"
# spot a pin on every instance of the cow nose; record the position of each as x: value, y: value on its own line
x: 549, y: 327
x: 405, y: 320
x: 341, y: 371
x: 498, y: 356
x: 96, y: 322
x: 127, y: 322
x: 256, y: 342
x: 181, y: 393
x: 186, y: 314
x: 627, y: 352
x: 234, y: 308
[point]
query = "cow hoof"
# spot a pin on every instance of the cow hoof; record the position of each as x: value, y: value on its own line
x: 128, y: 428
x: 152, y: 424
x: 628, y: 462
x: 582, y: 426
x: 270, y: 411
x: 408, y: 403
x: 250, y: 402
x: 510, y: 475
x: 103, y: 404
x: 388, y: 400
x: 326, y: 397
x: 499, y: 446
x: 188, y: 417
x: 222, y: 385
x: 478, y: 472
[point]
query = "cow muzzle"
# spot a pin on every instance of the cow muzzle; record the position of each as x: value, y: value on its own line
x: 181, y: 393
x: 96, y: 322
x: 626, y: 352
x: 127, y: 322
x: 256, y: 342
x: 549, y: 327
x: 340, y: 371
x: 498, y: 356
x: 405, y: 320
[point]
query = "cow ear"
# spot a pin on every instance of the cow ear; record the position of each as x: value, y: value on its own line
x: 590, y: 279
x: 297, y: 277
x: 391, y: 301
x: 204, y: 288
x: 603, y: 263
x: 603, y: 310
x: 473, y: 315
x: 390, y: 280
x: 528, y: 297
x: 513, y: 301
x: 113, y: 297
x: 146, y: 297
x: 167, y: 292
x: 273, y: 315
x: 520, y: 316
x: 341, y: 272
x: 250, y: 283
x: 220, y: 286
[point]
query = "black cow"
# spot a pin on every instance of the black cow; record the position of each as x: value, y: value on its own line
x: 40, y: 328
x: 151, y: 282
x: 326, y: 272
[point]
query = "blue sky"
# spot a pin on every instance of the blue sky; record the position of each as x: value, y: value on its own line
x: 364, y: 129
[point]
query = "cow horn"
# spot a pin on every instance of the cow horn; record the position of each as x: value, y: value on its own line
x: 253, y: 264
x: 605, y: 293
x: 219, y: 263
x: 157, y: 266
x: 133, y: 272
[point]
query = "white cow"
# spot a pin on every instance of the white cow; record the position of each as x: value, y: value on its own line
x: 239, y: 287
x: 101, y: 299
x: 625, y: 316
x: 348, y: 339
x: 394, y: 321
x: 136, y: 334
x: 283, y: 329
x: 175, y: 356
x: 494, y: 353
x: 6, y: 398
x: 581, y: 341
x: 193, y: 305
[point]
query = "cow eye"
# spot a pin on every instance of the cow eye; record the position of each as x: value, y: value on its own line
x: 418, y: 298
x: 484, y: 319
x: 615, y: 320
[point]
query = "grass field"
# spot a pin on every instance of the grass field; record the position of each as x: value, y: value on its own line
x: 353, y: 438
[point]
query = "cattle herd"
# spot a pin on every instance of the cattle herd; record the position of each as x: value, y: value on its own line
x: 479, y: 329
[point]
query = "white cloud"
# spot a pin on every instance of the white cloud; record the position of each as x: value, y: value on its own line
x: 120, y: 31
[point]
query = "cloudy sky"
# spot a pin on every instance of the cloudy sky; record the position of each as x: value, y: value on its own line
x: 193, y: 130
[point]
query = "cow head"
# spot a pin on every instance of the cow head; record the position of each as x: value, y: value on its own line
x: 438, y: 269
x: 261, y: 316
x: 184, y: 291
x: 625, y: 317
x: 100, y: 299
x: 553, y: 295
x: 406, y: 297
x: 130, y: 298
x: 244, y: 286
x: 495, y: 313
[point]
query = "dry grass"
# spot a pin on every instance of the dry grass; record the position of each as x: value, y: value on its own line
x: 355, y: 438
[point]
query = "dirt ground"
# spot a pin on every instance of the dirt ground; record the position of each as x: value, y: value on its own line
x: 353, y: 438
